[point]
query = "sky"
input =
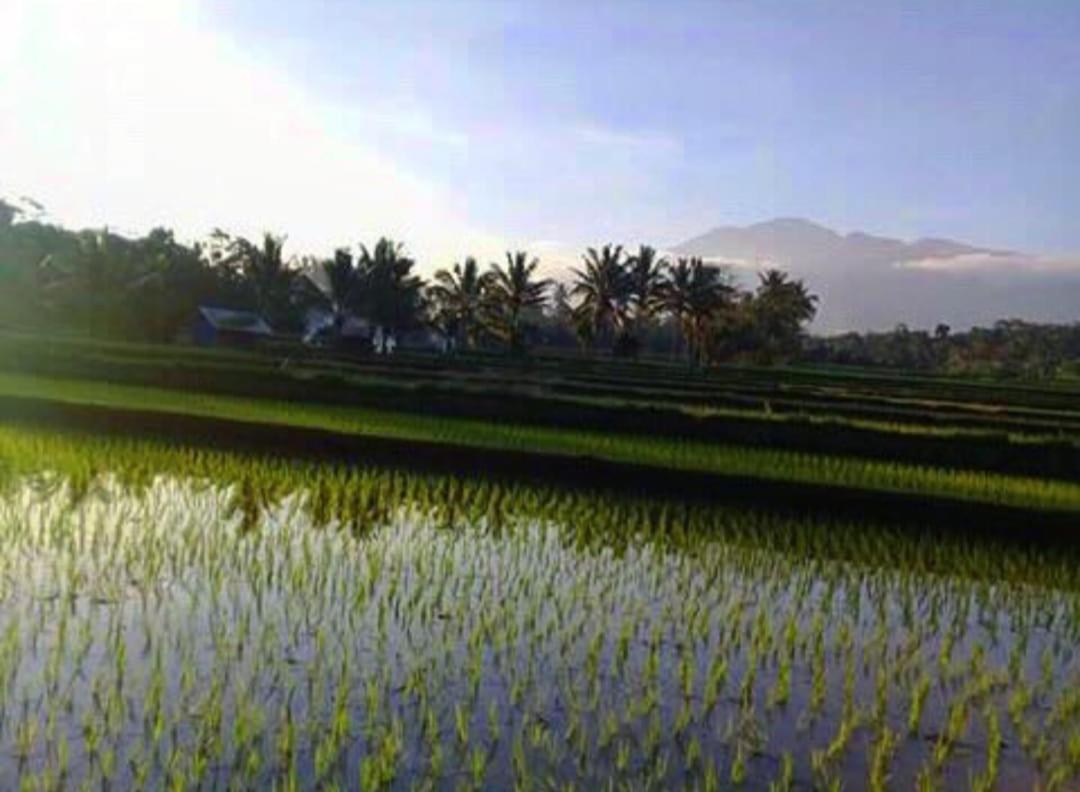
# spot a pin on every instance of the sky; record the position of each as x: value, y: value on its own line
x: 469, y: 127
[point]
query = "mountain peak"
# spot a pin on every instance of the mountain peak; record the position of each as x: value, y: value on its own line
x: 781, y: 240
x: 791, y: 224
x: 793, y: 241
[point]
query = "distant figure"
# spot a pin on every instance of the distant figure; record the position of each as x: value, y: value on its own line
x: 383, y: 341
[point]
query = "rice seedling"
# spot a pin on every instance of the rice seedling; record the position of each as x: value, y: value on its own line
x: 881, y: 756
x: 918, y: 701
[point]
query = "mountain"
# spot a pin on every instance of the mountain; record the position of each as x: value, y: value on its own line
x: 869, y: 282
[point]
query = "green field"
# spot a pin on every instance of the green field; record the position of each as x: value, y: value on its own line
x: 761, y: 463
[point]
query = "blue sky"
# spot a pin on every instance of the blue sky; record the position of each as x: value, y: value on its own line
x: 560, y: 124
x: 588, y: 118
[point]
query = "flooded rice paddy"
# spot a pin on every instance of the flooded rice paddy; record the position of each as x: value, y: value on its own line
x: 365, y: 629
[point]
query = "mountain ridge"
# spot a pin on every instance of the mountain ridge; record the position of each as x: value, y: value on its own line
x: 872, y: 282
x: 799, y: 239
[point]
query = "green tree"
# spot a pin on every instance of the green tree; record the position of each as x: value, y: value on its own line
x: 562, y: 326
x: 393, y: 295
x: 95, y: 287
x: 601, y: 288
x: 100, y: 282
x: 511, y: 292
x: 174, y: 280
x: 645, y: 279
x: 695, y: 292
x: 780, y: 308
x: 263, y: 269
x: 456, y: 298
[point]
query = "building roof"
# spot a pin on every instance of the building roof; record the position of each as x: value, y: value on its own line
x: 319, y: 321
x: 235, y: 321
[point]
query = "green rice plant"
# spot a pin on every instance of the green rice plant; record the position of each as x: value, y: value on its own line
x: 918, y: 701
x: 1019, y: 701
x: 26, y: 733
x: 881, y: 756
x: 714, y: 682
x: 986, y: 780
x: 478, y: 767
x: 786, y: 780
x: 687, y: 669
x: 845, y: 730
x: 782, y: 691
x: 461, y: 725
x: 738, y: 767
x: 622, y: 756
x: 692, y: 755
x: 955, y: 724
x: 710, y: 779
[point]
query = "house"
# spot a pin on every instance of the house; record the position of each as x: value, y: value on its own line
x: 354, y: 332
x: 422, y: 339
x: 225, y: 327
x: 419, y: 339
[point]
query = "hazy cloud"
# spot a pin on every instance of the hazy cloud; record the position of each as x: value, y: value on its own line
x: 991, y: 262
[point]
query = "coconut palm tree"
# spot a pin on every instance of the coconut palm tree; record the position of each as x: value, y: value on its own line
x: 780, y: 308
x: 601, y: 288
x: 263, y: 267
x: 393, y: 297
x: 562, y: 324
x: 693, y: 295
x: 510, y: 293
x: 174, y: 280
x: 337, y: 284
x: 456, y: 296
x: 645, y: 279
x: 675, y: 299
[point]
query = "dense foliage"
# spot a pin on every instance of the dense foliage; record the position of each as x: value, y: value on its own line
x: 1011, y: 348
x: 104, y: 284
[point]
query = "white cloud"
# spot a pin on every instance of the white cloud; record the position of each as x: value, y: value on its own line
x: 994, y: 263
x: 133, y: 113
x: 636, y: 142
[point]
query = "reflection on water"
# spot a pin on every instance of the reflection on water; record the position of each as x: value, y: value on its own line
x: 162, y: 635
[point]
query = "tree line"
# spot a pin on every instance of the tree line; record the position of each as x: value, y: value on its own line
x: 616, y: 302
x: 1008, y: 349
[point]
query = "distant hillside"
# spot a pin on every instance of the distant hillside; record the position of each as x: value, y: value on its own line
x: 873, y: 282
